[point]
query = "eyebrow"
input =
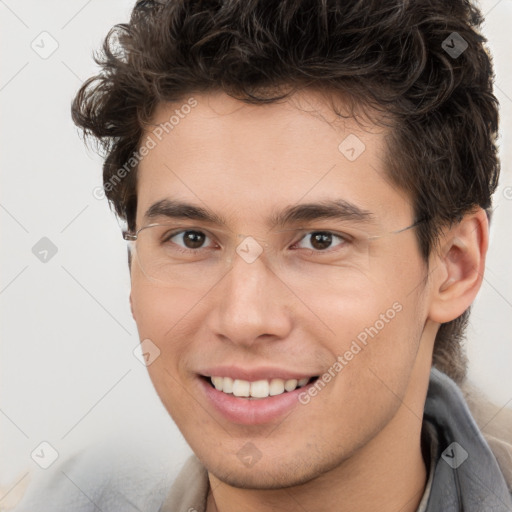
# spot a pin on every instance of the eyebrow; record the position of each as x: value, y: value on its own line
x: 179, y: 210
x: 338, y: 209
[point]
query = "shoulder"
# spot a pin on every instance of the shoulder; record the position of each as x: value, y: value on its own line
x: 108, y: 477
x: 190, y: 489
x: 495, y: 424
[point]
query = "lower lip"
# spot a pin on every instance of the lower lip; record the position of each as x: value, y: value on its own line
x: 252, y: 412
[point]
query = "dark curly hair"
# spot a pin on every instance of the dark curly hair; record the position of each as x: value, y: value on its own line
x: 419, y: 64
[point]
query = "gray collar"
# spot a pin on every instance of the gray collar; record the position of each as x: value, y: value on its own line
x: 466, y: 476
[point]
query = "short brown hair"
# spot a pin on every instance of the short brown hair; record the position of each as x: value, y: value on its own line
x: 422, y: 63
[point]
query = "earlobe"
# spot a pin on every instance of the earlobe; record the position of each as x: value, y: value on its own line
x: 459, y: 265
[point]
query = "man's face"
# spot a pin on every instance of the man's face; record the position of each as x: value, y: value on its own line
x: 293, y: 301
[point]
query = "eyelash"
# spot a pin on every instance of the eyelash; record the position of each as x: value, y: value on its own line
x: 184, y: 250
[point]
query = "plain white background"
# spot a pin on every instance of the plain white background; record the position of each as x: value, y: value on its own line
x: 69, y: 375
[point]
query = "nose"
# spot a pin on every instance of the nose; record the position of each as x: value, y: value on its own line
x: 251, y: 304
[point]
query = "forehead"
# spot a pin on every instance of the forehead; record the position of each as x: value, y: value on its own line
x: 247, y: 161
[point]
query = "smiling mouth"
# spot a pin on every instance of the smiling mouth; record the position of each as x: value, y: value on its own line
x: 257, y: 389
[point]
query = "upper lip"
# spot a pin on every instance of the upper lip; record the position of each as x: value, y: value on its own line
x: 253, y: 374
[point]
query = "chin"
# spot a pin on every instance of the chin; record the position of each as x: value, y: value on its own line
x: 262, y: 480
x: 270, y: 475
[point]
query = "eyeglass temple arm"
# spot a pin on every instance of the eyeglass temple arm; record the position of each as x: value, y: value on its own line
x: 129, y: 236
x: 400, y: 230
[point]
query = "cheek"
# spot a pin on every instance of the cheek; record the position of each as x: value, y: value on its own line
x: 376, y: 326
x: 162, y: 315
x: 373, y: 356
x: 373, y: 333
x: 159, y: 309
x: 351, y: 309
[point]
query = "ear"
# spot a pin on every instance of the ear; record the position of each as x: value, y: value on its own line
x: 458, y: 267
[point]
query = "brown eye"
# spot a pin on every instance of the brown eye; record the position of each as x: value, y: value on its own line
x: 189, y: 239
x: 320, y: 240
x: 193, y: 239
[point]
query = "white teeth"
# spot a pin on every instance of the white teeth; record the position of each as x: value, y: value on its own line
x: 260, y: 388
x: 218, y: 382
x: 241, y: 387
x: 257, y: 389
x: 276, y: 387
x: 290, y: 385
x: 227, y: 386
